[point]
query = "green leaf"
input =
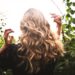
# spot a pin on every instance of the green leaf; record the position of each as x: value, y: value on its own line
x: 64, y: 26
x: 69, y: 3
x: 67, y: 0
x: 73, y: 20
x: 1, y: 31
x: 68, y: 15
x: 72, y: 11
x: 73, y: 3
x: 0, y: 28
x: 73, y: 28
x: 68, y: 26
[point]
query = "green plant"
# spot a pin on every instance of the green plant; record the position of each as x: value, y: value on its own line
x: 66, y: 64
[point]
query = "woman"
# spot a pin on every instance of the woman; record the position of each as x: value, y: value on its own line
x: 37, y: 50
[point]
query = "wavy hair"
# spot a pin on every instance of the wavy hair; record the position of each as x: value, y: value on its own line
x: 37, y: 43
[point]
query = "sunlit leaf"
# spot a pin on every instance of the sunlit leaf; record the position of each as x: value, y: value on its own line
x: 68, y: 15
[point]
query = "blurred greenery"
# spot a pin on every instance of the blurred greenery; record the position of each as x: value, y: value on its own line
x: 65, y: 65
x: 2, y: 24
x: 3, y: 71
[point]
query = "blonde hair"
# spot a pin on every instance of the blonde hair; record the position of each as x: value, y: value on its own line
x: 37, y: 43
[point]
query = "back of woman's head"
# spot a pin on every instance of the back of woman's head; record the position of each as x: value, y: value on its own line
x: 36, y: 40
x: 34, y: 24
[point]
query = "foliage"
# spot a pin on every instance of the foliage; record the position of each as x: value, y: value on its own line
x: 2, y: 24
x: 66, y: 64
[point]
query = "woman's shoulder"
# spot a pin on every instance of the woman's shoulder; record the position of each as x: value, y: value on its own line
x: 13, y: 46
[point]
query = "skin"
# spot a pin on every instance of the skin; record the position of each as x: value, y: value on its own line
x: 58, y: 33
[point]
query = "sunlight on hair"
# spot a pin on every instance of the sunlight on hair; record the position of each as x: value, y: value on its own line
x: 16, y: 8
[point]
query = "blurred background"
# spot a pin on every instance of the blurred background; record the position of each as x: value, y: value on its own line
x: 11, y: 13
